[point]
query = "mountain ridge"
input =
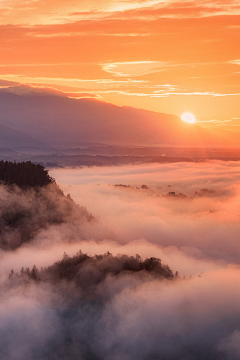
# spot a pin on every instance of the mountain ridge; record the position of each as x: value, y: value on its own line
x: 62, y: 121
x: 10, y: 137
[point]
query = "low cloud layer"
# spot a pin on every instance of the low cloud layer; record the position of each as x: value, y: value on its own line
x: 130, y: 317
x: 186, y: 215
x: 202, y: 222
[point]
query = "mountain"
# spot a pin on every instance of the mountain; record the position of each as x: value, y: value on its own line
x: 10, y: 137
x: 61, y: 121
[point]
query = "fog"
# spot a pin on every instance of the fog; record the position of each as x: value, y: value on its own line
x: 204, y: 225
x: 187, y: 215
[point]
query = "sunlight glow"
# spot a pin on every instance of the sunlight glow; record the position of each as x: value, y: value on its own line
x: 188, y: 117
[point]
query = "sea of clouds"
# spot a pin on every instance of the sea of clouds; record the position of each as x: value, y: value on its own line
x: 188, y: 216
x: 202, y: 227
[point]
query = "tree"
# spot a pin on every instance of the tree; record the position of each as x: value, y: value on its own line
x: 24, y: 174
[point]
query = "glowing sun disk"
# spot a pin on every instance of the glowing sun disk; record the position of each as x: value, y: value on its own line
x: 188, y: 117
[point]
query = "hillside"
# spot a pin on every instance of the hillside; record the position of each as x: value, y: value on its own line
x: 61, y: 121
x: 32, y: 202
x: 10, y: 137
x: 24, y: 174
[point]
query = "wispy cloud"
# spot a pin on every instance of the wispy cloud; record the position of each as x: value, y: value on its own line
x: 235, y: 62
x: 99, y: 87
x: 87, y: 33
x: 77, y: 83
x: 133, y: 68
x: 58, y: 12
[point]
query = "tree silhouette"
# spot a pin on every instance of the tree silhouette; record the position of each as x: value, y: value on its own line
x: 24, y: 174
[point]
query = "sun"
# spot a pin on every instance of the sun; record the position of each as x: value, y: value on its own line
x: 188, y: 117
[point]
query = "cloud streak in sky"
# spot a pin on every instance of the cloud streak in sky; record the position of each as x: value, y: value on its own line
x: 54, y: 12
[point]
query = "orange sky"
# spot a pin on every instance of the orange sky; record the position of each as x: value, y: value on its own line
x: 168, y: 56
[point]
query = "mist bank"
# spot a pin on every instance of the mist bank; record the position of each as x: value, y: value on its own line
x: 193, y: 208
x: 189, y: 221
x: 88, y: 154
x: 27, y: 213
x: 107, y: 307
x: 33, y: 204
x: 97, y: 279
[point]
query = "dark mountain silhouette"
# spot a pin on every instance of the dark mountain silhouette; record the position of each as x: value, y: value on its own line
x: 10, y: 137
x: 61, y: 121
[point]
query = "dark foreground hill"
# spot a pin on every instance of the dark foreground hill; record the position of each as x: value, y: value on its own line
x: 61, y: 121
x: 86, y: 273
x: 31, y: 202
x: 65, y: 307
x: 24, y: 174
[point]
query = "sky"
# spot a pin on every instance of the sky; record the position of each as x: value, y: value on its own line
x: 168, y: 56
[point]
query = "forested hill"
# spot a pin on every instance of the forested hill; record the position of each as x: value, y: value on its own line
x: 24, y: 174
x: 31, y: 202
x: 83, y: 275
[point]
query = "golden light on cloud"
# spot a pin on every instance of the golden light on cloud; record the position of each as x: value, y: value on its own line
x: 188, y: 117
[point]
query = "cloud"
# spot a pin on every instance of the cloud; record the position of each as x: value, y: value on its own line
x: 125, y: 39
x: 57, y: 12
x: 177, y: 319
x: 21, y: 90
x: 126, y: 315
x: 235, y: 62
x: 133, y: 68
x: 7, y: 84
x: 200, y: 227
x: 77, y: 83
x: 97, y: 88
x: 230, y: 345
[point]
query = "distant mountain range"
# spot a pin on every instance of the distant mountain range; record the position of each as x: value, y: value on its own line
x: 11, y: 138
x: 53, y: 120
